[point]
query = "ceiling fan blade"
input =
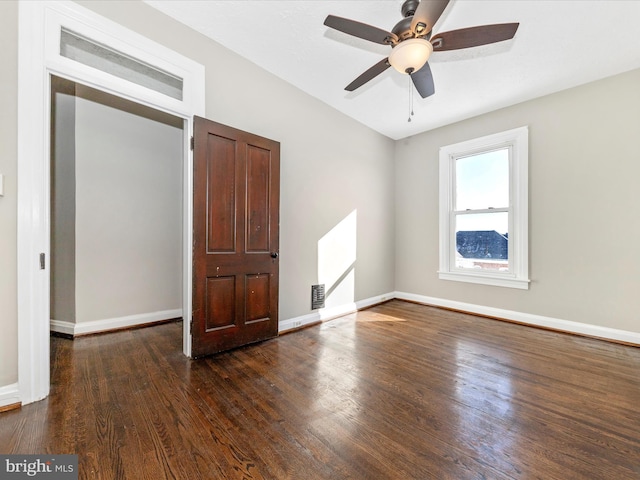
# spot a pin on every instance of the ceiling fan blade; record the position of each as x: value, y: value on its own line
x: 361, y: 30
x: 473, y: 36
x: 423, y: 81
x: 370, y: 74
x: 427, y: 14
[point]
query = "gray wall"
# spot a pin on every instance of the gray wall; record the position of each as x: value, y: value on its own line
x: 583, y: 199
x: 330, y: 164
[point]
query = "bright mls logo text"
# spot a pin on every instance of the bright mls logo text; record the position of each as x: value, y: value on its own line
x: 40, y: 466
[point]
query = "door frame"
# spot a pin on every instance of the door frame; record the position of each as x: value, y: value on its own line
x: 38, y: 58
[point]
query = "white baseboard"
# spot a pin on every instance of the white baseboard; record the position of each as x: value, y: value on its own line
x: 95, y: 326
x: 568, y: 326
x: 527, y: 318
x: 62, y: 326
x: 331, y: 312
x: 9, y: 395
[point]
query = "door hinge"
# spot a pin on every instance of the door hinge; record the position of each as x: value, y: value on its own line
x: 42, y: 261
x: 193, y: 143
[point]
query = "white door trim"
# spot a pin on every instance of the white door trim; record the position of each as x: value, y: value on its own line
x: 38, y: 58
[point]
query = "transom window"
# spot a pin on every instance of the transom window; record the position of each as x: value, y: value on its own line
x: 91, y: 53
x: 483, y: 210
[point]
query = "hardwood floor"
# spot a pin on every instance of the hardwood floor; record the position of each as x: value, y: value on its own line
x: 398, y: 391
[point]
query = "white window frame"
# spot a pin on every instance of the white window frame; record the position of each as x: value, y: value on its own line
x: 517, y: 141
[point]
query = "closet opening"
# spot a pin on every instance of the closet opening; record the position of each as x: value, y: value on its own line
x: 116, y: 212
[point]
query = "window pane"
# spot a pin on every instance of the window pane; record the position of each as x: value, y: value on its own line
x: 482, y: 241
x: 482, y: 181
x: 94, y: 55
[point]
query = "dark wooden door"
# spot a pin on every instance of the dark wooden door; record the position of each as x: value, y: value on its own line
x: 236, y: 235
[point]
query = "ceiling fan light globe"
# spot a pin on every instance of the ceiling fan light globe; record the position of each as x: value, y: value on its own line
x: 410, y: 55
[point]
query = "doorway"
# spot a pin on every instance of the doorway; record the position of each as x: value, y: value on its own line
x: 116, y: 212
x: 41, y: 25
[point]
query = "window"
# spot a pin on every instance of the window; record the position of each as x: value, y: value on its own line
x: 484, y: 210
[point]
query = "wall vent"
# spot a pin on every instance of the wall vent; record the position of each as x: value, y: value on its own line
x: 317, y: 296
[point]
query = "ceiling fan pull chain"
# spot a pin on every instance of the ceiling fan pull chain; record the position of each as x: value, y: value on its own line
x: 412, y: 94
x: 410, y: 99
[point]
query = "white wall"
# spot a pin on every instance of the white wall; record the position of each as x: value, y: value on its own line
x: 583, y: 189
x: 128, y: 210
x: 63, y: 202
x: 8, y: 203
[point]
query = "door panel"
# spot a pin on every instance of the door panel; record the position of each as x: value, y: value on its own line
x: 258, y: 163
x: 221, y: 206
x: 220, y: 303
x: 236, y: 238
x: 257, y: 297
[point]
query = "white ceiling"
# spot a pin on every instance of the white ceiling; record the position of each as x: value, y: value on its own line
x: 559, y: 44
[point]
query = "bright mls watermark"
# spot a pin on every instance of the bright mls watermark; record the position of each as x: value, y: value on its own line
x: 50, y: 467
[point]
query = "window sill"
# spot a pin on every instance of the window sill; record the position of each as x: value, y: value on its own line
x: 496, y: 281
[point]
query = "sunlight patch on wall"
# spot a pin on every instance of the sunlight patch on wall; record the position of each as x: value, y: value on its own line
x: 336, y: 262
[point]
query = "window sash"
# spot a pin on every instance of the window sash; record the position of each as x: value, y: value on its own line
x: 457, y: 160
x: 453, y: 259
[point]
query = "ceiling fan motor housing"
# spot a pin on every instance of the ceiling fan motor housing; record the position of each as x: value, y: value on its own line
x: 403, y: 29
x: 409, y: 7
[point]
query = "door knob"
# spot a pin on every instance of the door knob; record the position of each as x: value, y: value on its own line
x: 274, y: 254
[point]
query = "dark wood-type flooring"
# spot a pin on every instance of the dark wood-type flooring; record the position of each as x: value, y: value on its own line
x: 399, y: 391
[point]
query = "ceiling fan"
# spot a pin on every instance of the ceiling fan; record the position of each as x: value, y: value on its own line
x: 412, y: 43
